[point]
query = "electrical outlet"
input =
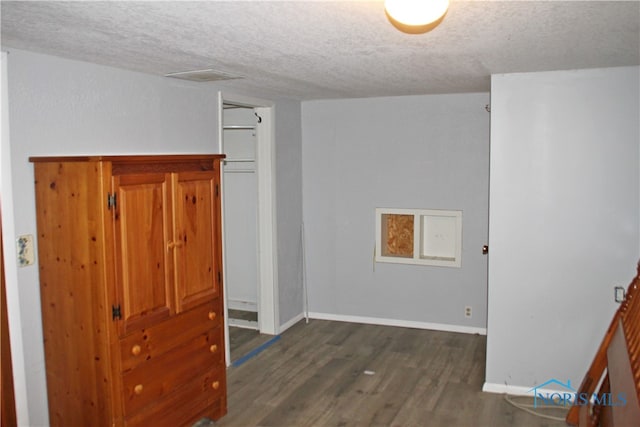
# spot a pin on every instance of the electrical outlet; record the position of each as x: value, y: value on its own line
x: 467, y: 311
x: 26, y: 254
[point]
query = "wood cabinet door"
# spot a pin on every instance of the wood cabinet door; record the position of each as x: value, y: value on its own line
x: 144, y: 273
x: 196, y: 231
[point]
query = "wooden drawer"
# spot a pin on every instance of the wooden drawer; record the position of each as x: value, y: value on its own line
x: 150, y: 343
x: 159, y: 377
x: 192, y: 401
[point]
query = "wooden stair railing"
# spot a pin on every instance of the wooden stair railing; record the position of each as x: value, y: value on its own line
x: 618, y: 360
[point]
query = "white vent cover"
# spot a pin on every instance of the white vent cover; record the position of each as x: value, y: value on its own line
x: 207, y: 75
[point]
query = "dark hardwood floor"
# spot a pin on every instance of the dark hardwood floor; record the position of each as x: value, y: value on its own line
x: 345, y: 374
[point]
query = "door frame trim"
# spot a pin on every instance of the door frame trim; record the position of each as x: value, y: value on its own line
x: 9, y: 237
x: 268, y: 303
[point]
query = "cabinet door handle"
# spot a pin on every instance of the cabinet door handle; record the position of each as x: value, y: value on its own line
x: 138, y: 389
x: 212, y: 315
x: 213, y: 348
x: 215, y: 385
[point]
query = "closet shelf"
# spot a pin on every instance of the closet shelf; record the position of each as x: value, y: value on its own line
x: 239, y: 171
x: 238, y: 127
x: 239, y: 160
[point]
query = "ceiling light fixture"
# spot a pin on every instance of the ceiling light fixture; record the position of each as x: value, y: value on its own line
x: 416, y: 16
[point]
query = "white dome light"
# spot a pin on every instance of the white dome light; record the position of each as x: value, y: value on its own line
x: 416, y: 12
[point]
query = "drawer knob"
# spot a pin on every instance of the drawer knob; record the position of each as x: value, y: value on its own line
x: 215, y: 385
x: 135, y: 350
x: 213, y: 348
x: 138, y: 389
x: 212, y: 315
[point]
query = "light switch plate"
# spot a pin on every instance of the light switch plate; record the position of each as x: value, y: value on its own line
x: 26, y: 253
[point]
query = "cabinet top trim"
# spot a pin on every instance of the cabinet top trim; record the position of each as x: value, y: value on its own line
x: 128, y: 158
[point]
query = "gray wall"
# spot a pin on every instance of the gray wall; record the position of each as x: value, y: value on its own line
x: 564, y: 219
x: 405, y: 152
x: 289, y: 205
x: 63, y: 107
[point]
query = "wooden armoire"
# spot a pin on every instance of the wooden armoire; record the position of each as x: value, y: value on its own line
x: 130, y: 262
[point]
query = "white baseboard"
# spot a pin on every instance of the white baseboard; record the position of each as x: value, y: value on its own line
x: 244, y: 324
x: 515, y: 390
x: 512, y: 390
x: 241, y: 305
x: 291, y: 322
x: 399, y: 323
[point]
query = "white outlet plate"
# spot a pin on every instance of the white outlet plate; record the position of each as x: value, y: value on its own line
x: 467, y: 311
x: 25, y: 250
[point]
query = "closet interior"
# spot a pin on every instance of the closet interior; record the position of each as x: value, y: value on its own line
x: 240, y: 181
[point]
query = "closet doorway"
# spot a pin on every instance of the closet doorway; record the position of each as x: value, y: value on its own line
x: 249, y: 236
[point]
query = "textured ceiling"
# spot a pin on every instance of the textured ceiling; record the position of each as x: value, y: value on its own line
x: 329, y: 49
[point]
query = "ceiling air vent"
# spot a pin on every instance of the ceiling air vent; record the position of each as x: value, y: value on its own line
x: 208, y: 75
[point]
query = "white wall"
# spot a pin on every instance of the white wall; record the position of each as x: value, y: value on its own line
x: 564, y: 208
x: 399, y: 152
x: 10, y: 266
x: 63, y: 107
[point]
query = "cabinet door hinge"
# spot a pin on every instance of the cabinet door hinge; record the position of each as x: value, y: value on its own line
x: 217, y: 190
x: 219, y: 277
x: 111, y: 200
x: 116, y: 313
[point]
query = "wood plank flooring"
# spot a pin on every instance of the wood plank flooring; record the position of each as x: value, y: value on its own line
x: 315, y: 376
x: 242, y: 341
